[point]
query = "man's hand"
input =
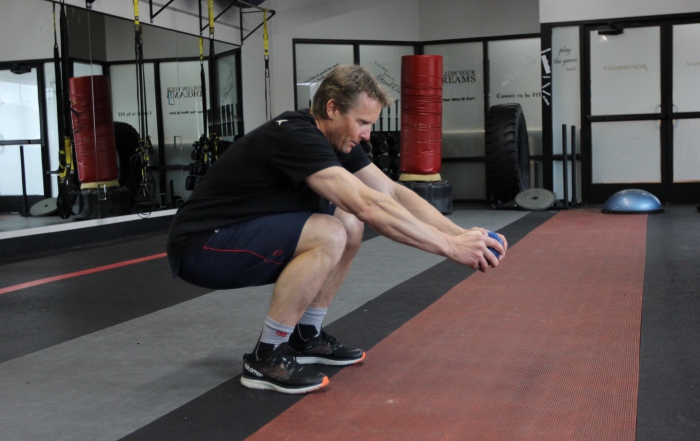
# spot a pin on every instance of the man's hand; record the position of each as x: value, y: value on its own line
x: 471, y: 249
x: 486, y: 232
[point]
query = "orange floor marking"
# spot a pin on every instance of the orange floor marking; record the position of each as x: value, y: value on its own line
x: 37, y: 282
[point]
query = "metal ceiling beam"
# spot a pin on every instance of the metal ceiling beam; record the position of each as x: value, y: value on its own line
x: 150, y: 4
x: 272, y: 14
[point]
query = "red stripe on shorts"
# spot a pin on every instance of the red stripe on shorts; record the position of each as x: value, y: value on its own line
x: 242, y: 251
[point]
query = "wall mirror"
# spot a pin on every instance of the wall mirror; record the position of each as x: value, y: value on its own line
x: 102, y: 50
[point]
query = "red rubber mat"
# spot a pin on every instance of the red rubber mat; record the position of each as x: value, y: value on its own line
x: 546, y: 347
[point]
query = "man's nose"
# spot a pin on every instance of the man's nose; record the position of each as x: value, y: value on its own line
x: 364, y: 134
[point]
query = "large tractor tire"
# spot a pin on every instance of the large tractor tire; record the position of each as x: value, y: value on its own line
x: 507, y: 153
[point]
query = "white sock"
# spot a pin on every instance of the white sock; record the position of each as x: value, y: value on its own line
x: 275, y: 333
x: 313, y: 317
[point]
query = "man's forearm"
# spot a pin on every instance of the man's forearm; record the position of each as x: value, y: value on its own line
x: 425, y: 212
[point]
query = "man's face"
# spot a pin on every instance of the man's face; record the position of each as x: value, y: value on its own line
x: 348, y: 129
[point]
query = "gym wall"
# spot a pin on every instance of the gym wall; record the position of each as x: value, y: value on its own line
x: 452, y: 19
x: 556, y: 11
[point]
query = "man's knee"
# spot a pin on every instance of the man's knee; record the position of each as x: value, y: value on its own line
x: 325, y: 232
x: 354, y: 228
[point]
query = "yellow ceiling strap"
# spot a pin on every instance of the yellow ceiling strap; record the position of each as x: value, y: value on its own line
x: 136, y: 13
x: 265, y: 38
x: 211, y: 17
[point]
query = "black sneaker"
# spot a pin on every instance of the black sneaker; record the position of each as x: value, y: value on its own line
x: 279, y: 371
x: 323, y: 349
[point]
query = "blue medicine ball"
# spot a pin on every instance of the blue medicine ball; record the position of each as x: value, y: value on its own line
x: 498, y: 238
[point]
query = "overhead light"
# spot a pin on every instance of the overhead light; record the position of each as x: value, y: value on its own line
x: 610, y: 29
x: 88, y: 3
x: 20, y: 68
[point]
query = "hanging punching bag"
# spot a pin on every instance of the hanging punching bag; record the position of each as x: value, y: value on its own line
x: 93, y: 131
x: 421, y: 114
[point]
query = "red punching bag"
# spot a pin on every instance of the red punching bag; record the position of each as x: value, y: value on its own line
x: 93, y: 130
x: 421, y: 114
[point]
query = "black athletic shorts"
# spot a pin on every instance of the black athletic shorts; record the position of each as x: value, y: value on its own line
x: 249, y: 253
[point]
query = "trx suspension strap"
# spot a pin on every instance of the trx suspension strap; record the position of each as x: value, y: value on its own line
x: 140, y: 75
x: 59, y: 95
x: 66, y: 169
x: 202, y: 77
x: 213, y: 139
x: 205, y: 150
x: 202, y: 80
x: 145, y: 195
x: 214, y: 112
x: 268, y: 97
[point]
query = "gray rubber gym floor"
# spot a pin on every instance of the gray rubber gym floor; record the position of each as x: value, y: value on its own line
x: 130, y: 352
x: 108, y: 383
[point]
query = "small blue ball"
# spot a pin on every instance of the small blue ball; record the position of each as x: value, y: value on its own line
x: 498, y: 238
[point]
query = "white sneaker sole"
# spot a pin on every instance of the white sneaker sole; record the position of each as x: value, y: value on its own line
x: 320, y: 360
x: 264, y: 384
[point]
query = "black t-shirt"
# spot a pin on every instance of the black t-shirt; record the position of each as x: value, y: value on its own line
x: 262, y: 173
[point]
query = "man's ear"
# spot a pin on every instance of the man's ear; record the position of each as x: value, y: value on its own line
x: 331, y: 108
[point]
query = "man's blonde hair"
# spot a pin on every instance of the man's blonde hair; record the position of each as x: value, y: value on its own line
x: 344, y: 84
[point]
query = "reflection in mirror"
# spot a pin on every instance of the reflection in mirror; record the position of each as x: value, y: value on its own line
x: 102, y: 46
x: 566, y: 102
x: 20, y: 152
x: 463, y: 98
x: 313, y: 62
x: 463, y: 120
x: 515, y: 78
x: 385, y: 64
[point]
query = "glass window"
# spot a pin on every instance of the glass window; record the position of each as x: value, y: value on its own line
x: 686, y: 150
x: 183, y: 121
x: 313, y: 62
x: 626, y: 152
x: 626, y: 72
x: 385, y: 64
x: 11, y: 170
x: 462, y: 98
x: 686, y: 68
x: 228, y: 96
x: 515, y: 78
x: 19, y: 106
x: 52, y: 121
x: 468, y: 179
x: 565, y: 100
x: 122, y: 77
x: 566, y: 83
x: 86, y: 69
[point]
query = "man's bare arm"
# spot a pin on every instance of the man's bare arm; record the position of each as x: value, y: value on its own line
x: 389, y: 218
x: 419, y: 207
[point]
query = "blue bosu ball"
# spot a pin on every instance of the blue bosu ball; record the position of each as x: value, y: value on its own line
x: 632, y: 201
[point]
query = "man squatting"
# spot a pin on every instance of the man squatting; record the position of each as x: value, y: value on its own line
x: 287, y: 204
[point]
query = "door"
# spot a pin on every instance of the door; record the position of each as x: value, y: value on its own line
x: 642, y: 122
x: 685, y: 113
